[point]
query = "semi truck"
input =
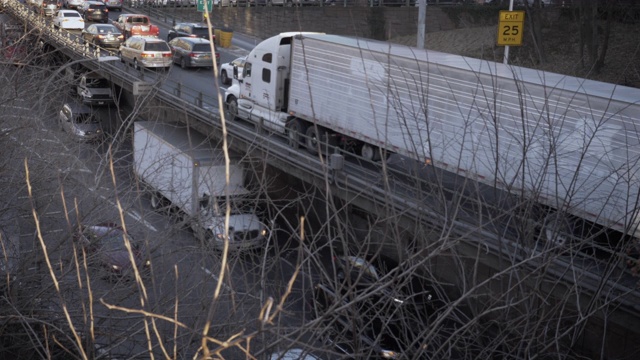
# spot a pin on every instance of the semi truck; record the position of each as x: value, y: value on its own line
x: 569, y: 144
x: 184, y: 170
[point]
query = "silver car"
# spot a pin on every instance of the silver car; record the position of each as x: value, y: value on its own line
x: 79, y: 121
x: 192, y: 52
x: 145, y: 52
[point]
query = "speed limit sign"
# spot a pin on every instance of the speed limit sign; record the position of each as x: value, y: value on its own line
x: 510, y: 28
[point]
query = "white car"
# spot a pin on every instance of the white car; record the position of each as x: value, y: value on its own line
x: 68, y: 19
x: 226, y: 70
x: 73, y: 4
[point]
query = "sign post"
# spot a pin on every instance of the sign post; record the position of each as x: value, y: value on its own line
x: 201, y: 3
x: 510, y: 30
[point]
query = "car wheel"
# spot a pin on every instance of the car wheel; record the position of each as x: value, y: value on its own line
x: 288, y: 3
x: 232, y: 106
x: 135, y: 64
x: 269, y: 3
x: 224, y: 78
x: 183, y: 63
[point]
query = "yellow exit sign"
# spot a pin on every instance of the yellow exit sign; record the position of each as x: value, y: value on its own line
x: 510, y: 28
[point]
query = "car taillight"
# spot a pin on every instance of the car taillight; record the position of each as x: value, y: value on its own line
x: 145, y: 55
x: 90, y: 10
x: 166, y: 54
x: 120, y: 36
x: 193, y: 35
x: 100, y: 36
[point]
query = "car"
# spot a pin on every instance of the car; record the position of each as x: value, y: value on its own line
x: 227, y: 70
x: 190, y: 30
x: 192, y: 52
x: 113, y: 4
x: 94, y: 11
x: 103, y: 35
x: 222, y: 3
x: 72, y: 4
x: 146, y: 52
x: 48, y: 7
x: 105, y: 246
x: 136, y: 25
x: 79, y: 121
x: 93, y: 89
x: 68, y: 19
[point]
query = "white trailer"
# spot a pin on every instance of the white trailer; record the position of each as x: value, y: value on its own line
x: 184, y: 169
x: 569, y: 144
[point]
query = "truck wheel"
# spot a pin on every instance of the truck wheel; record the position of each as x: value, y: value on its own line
x: 315, y: 138
x: 370, y: 152
x: 557, y: 230
x: 232, y: 106
x: 295, y: 129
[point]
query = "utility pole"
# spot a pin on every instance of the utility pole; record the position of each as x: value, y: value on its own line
x: 422, y: 19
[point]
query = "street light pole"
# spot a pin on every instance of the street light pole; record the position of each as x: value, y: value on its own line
x: 75, y: 62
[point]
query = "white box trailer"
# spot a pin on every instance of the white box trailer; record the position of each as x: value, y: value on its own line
x: 184, y: 169
x: 569, y: 144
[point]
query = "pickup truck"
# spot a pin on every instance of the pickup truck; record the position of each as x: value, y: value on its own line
x: 136, y: 25
x: 94, y: 89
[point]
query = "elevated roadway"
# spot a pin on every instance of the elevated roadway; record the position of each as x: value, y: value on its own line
x: 362, y: 186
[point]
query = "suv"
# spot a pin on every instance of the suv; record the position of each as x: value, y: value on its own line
x: 145, y: 52
x: 192, y: 52
x: 190, y: 30
x: 94, y: 11
x: 79, y: 121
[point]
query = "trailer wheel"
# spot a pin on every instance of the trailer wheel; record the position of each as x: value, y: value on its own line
x: 295, y: 129
x: 557, y: 230
x: 370, y: 152
x: 312, y: 139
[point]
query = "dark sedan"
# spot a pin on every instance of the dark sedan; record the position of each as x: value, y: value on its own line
x: 95, y: 11
x: 105, y: 245
x: 189, y: 30
x: 104, y: 35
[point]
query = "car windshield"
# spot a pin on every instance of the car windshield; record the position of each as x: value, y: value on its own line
x: 106, y: 29
x: 70, y: 14
x: 96, y: 6
x: 201, y: 48
x: 139, y: 20
x: 156, y: 46
x: 201, y: 31
x: 86, y: 119
x: 97, y: 83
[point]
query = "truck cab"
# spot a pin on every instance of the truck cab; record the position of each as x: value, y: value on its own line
x: 262, y: 92
x: 94, y: 89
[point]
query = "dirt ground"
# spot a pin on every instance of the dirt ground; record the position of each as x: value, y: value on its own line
x: 560, y: 45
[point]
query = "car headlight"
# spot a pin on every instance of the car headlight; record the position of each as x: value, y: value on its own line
x: 221, y: 236
x: 115, y: 267
x: 263, y: 232
x: 388, y: 354
x: 147, y: 263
